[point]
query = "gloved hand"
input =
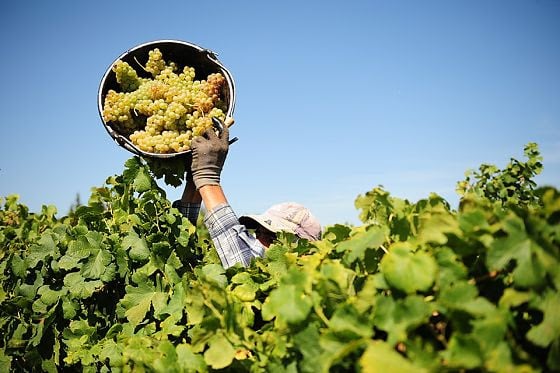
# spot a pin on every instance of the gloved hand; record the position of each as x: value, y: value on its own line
x: 209, y: 153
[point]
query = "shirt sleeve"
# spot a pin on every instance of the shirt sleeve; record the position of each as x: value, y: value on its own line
x: 188, y: 210
x: 233, y: 242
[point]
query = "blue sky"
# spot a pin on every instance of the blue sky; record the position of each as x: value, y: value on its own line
x: 333, y: 98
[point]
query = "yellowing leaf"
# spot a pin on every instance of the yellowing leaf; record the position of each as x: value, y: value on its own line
x: 189, y: 361
x: 220, y: 354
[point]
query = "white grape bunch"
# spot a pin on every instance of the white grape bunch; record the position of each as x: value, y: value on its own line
x: 162, y: 114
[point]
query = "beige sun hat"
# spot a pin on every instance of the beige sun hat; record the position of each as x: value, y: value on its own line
x: 286, y: 217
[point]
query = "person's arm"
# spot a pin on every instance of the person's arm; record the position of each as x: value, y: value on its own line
x: 212, y: 195
x: 189, y: 204
x: 232, y: 240
x: 190, y: 194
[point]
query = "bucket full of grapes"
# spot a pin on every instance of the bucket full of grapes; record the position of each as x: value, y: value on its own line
x: 155, y: 97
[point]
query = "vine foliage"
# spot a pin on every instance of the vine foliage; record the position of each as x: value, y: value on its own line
x: 125, y: 283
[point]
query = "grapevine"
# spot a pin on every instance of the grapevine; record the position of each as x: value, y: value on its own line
x: 163, y: 113
x: 125, y: 283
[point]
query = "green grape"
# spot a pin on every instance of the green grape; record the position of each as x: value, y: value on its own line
x: 155, y: 62
x: 163, y: 114
x: 126, y: 76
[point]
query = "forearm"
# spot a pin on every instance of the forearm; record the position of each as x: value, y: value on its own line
x: 189, y: 204
x: 232, y: 241
x: 212, y: 196
x: 190, y: 194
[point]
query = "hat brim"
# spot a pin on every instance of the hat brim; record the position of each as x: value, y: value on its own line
x: 272, y: 223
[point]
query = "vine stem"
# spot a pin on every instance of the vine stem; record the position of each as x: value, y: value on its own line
x: 214, y: 310
x: 217, y: 313
x: 321, y: 315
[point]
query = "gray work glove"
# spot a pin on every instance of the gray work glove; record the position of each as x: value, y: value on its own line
x: 209, y: 153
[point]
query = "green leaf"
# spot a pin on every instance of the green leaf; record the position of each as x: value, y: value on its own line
x: 498, y: 359
x: 490, y: 330
x: 173, y: 261
x: 167, y: 359
x: 49, y: 296
x: 451, y: 268
x: 214, y: 273
x: 138, y: 300
x: 437, y: 224
x: 463, y: 352
x: 139, y: 250
x: 336, y: 233
x: 347, y: 321
x: 68, y: 262
x: 514, y: 298
x: 335, y: 272
x: 246, y: 292
x: 132, y: 166
x: 463, y: 296
x: 18, y: 266
x: 287, y: 302
x: 44, y: 247
x: 184, y: 238
x: 380, y: 357
x: 30, y: 290
x: 79, y: 328
x: 408, y: 271
x: 112, y: 351
x: 81, y: 248
x: 355, y: 247
x: 5, y: 362
x: 549, y: 329
x: 308, y: 345
x: 220, y: 352
x: 529, y: 270
x: 171, y: 274
x: 69, y: 308
x: 97, y: 264
x: 79, y: 287
x: 17, y: 339
x: 399, y: 317
x: 189, y: 361
x: 277, y: 262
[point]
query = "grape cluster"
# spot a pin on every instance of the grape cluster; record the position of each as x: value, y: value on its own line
x: 162, y: 114
x: 9, y: 218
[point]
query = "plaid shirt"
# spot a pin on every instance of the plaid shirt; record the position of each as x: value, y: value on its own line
x: 233, y: 242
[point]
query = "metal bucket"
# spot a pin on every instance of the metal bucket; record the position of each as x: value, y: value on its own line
x: 183, y: 54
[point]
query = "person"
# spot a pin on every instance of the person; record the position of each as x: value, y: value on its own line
x: 231, y: 235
